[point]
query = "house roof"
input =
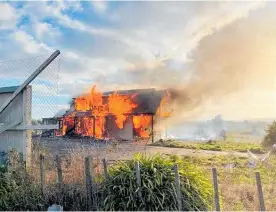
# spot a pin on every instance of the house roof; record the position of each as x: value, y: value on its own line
x: 129, y: 92
x: 147, y: 100
x: 10, y: 89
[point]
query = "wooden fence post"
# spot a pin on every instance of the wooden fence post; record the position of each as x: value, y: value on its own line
x: 260, y: 191
x: 177, y: 186
x: 88, y: 183
x: 138, y: 177
x: 42, y: 177
x: 215, y: 184
x: 21, y: 158
x: 105, y: 169
x: 60, y: 180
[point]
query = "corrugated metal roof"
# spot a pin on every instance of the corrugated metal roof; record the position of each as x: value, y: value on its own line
x: 10, y: 89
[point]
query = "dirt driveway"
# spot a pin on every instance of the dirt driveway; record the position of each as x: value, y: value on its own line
x: 119, y: 151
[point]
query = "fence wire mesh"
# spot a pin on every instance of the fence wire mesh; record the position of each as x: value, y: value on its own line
x: 44, y: 102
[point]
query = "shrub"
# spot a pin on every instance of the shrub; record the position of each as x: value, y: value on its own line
x: 17, y: 190
x: 270, y: 137
x: 120, y: 191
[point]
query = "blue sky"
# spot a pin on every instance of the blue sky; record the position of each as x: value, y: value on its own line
x: 121, y: 45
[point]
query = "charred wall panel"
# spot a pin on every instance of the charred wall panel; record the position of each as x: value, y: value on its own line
x: 113, y: 131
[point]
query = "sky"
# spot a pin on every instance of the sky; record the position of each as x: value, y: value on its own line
x: 119, y: 45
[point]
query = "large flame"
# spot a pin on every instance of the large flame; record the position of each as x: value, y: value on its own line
x: 120, y: 105
x: 95, y: 107
x: 164, y: 109
x: 142, y: 125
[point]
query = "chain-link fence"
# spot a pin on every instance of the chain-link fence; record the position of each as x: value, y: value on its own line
x: 45, y: 102
x: 28, y: 92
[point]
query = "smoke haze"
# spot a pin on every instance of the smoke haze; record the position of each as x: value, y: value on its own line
x: 221, y: 60
x: 238, y: 57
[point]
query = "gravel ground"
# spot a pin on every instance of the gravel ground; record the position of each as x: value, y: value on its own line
x: 115, y: 151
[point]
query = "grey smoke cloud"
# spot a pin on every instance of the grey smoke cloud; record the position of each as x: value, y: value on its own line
x: 238, y: 54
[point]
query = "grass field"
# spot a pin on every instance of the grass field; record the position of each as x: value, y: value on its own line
x: 237, y: 185
x: 213, y: 145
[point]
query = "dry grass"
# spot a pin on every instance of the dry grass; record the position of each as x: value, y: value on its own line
x: 72, y: 161
x: 237, y: 185
x: 239, y: 197
x: 213, y: 145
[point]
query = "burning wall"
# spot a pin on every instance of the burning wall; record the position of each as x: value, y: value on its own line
x: 117, y: 114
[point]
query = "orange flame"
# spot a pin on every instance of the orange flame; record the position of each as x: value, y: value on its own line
x: 120, y: 105
x: 84, y: 126
x: 94, y: 102
x: 164, y: 109
x: 142, y: 125
x: 98, y: 106
x: 68, y: 122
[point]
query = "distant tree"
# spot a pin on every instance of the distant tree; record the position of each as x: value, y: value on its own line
x: 270, y: 137
x: 36, y: 121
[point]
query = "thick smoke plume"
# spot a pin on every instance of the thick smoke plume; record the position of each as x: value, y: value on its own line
x: 230, y: 51
x: 233, y: 50
x: 239, y: 56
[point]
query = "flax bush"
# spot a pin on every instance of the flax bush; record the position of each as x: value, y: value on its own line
x: 120, y: 191
x: 20, y: 192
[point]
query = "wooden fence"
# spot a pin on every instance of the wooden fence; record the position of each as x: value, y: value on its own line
x: 89, y: 183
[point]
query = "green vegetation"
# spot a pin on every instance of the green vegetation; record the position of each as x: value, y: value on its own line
x: 213, y: 146
x: 270, y: 137
x: 158, y: 191
x: 17, y: 192
x: 20, y: 191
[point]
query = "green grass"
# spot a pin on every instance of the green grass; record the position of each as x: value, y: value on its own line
x: 213, y: 146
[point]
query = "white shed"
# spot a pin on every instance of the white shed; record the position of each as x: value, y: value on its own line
x: 18, y: 112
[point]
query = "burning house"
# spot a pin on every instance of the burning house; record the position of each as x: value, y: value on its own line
x: 122, y: 115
